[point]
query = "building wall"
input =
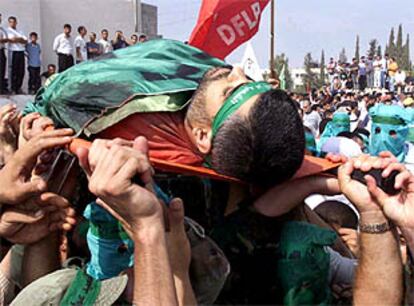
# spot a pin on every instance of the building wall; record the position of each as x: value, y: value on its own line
x: 48, y: 16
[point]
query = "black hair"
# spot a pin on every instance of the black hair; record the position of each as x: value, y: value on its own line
x: 142, y: 36
x: 33, y: 34
x: 104, y: 30
x: 362, y: 131
x: 264, y: 148
x: 12, y: 18
x: 80, y: 28
x: 67, y: 25
x: 338, y: 213
x: 346, y: 134
x: 51, y: 65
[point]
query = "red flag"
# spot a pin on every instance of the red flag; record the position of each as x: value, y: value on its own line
x: 223, y: 25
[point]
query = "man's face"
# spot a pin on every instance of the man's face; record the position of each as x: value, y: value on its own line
x: 105, y: 35
x: 118, y: 34
x: 51, y: 70
x: 134, y: 39
x: 215, y: 94
x: 33, y: 39
x: 12, y: 23
x: 92, y: 37
x: 67, y: 30
x: 83, y: 32
x: 218, y: 91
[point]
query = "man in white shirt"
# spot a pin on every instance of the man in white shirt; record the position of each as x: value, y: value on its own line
x: 17, y: 47
x: 80, y: 45
x: 63, y: 46
x: 3, y: 59
x: 377, y: 72
x: 384, y: 70
x: 104, y: 42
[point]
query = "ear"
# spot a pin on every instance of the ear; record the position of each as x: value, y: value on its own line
x: 203, y: 138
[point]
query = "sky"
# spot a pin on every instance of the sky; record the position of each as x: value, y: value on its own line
x: 303, y: 26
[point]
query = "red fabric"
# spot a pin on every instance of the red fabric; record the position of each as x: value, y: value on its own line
x: 223, y: 25
x: 165, y: 132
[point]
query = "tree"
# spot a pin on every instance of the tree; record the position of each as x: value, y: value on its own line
x: 379, y: 51
x: 310, y: 79
x: 373, y: 45
x: 399, y: 48
x: 342, y: 56
x: 322, y: 74
x: 407, y: 53
x: 282, y: 64
x: 390, y: 48
x: 357, y: 56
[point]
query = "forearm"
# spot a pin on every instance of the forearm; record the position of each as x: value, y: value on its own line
x: 379, y: 279
x: 408, y: 234
x: 184, y: 290
x: 154, y: 284
x: 283, y: 198
x: 40, y: 258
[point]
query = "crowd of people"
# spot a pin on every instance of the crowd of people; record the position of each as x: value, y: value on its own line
x: 367, y: 72
x: 16, y: 49
x: 102, y: 225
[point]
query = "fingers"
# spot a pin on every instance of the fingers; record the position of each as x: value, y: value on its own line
x: 336, y: 158
x: 16, y: 215
x: 26, y: 124
x: 176, y: 214
x: 375, y: 192
x: 53, y: 199
x: 83, y: 158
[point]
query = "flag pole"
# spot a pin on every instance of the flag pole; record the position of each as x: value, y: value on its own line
x: 272, y: 40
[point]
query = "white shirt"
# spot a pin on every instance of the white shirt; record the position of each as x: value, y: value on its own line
x: 81, y: 43
x: 106, y: 45
x: 3, y: 35
x: 400, y: 77
x: 384, y: 64
x: 14, y: 33
x: 377, y: 65
x: 63, y: 44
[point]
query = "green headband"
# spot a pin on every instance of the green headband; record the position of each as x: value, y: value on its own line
x: 387, y: 120
x: 236, y: 100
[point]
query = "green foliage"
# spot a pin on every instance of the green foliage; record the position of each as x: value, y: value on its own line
x: 280, y: 61
x: 357, y: 55
x: 342, y: 56
x: 310, y: 79
x: 379, y: 50
x: 322, y: 74
x: 373, y: 47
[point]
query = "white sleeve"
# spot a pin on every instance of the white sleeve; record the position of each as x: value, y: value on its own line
x: 56, y: 43
x: 77, y: 43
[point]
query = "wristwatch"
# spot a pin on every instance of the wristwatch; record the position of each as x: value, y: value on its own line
x: 376, y: 228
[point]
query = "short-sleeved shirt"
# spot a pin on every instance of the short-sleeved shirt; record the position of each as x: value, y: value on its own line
x: 16, y: 47
x: 106, y: 46
x: 33, y: 54
x: 92, y: 45
x: 3, y: 35
x: 80, y: 43
x: 63, y: 44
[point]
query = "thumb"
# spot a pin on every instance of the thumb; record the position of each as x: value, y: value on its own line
x: 141, y: 144
x: 33, y: 187
x: 83, y: 156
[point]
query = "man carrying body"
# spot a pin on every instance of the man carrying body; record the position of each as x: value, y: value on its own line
x: 17, y: 44
x: 63, y: 46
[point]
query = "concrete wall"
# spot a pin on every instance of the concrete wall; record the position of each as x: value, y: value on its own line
x: 48, y: 16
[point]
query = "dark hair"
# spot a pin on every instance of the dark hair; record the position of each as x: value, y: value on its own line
x: 346, y: 134
x: 337, y: 212
x: 362, y: 131
x: 80, y: 28
x: 67, y: 25
x: 33, y: 34
x: 51, y: 65
x: 266, y: 147
x: 142, y: 36
x: 12, y: 18
x: 104, y: 30
x: 134, y: 35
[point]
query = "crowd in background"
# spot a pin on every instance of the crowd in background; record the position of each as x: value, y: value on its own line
x: 379, y: 72
x: 19, y: 51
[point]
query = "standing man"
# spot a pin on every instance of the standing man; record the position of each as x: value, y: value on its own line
x: 370, y: 72
x: 17, y: 47
x: 119, y: 41
x: 63, y: 46
x: 354, y: 68
x: 362, y: 74
x: 94, y: 49
x: 104, y: 42
x: 384, y: 70
x: 80, y: 45
x: 33, y: 55
x: 331, y: 70
x: 377, y: 72
x: 3, y: 41
x: 392, y: 71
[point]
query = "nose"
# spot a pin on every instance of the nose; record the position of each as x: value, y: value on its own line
x: 236, y: 75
